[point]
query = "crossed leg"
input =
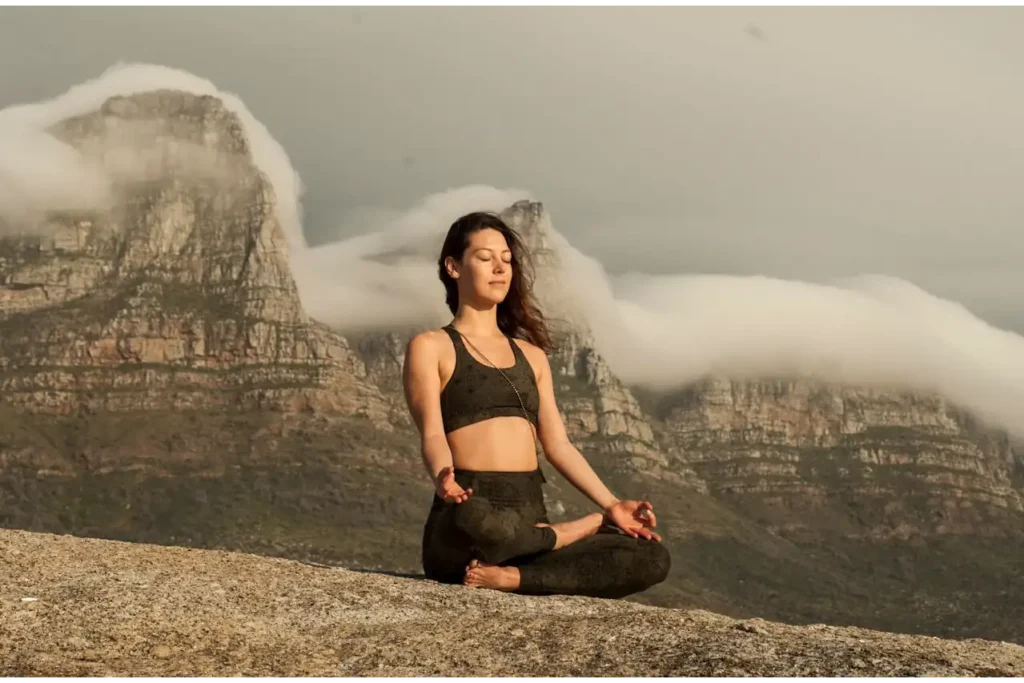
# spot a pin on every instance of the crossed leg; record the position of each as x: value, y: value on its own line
x: 582, y: 557
x: 512, y: 548
x: 487, y: 575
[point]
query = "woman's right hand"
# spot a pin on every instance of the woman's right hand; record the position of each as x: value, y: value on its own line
x: 447, y: 489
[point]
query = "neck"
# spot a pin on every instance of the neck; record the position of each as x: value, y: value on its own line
x: 477, y: 322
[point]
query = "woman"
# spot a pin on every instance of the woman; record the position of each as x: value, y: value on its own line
x: 480, y: 391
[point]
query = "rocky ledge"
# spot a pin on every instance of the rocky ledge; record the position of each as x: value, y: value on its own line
x: 75, y: 606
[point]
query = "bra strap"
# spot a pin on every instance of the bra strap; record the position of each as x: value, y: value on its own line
x: 456, y: 338
x: 516, y: 351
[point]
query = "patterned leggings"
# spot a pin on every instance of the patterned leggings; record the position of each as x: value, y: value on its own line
x: 496, y: 525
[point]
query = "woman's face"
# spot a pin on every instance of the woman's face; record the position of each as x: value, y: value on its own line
x: 485, y: 272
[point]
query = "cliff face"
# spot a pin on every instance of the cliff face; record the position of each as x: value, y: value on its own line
x: 804, y: 457
x: 160, y: 379
x: 177, y: 297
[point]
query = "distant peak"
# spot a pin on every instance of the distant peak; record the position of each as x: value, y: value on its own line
x: 531, y: 221
x: 141, y: 118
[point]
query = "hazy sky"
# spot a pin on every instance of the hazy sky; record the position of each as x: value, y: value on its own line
x: 801, y: 143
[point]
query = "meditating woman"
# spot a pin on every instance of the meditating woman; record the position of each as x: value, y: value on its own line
x: 481, y: 393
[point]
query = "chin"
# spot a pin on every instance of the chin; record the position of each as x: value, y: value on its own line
x: 490, y: 298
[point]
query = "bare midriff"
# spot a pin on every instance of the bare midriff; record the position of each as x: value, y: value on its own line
x: 499, y: 444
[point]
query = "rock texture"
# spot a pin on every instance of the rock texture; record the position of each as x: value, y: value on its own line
x: 86, y: 607
x: 897, y: 464
x: 179, y: 296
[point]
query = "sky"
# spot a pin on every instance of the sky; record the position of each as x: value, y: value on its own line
x: 807, y: 143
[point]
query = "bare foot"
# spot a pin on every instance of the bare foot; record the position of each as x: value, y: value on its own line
x: 482, y: 575
x: 570, y: 532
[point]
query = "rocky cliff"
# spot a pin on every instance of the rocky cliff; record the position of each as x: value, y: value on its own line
x: 178, y: 297
x: 804, y: 458
x: 161, y: 381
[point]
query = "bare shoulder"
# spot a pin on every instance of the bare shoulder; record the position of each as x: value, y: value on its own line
x: 536, y: 355
x: 428, y: 339
x: 426, y: 343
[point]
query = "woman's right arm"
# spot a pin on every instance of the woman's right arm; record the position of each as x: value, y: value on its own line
x: 422, y: 384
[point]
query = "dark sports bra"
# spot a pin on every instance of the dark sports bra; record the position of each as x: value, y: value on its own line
x: 478, y: 392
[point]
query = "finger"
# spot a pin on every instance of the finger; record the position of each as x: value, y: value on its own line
x: 656, y: 537
x: 649, y: 512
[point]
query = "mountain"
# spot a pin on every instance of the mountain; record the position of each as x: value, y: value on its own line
x: 179, y: 297
x: 161, y: 383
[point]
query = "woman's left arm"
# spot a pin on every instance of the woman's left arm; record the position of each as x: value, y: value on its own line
x: 632, y: 516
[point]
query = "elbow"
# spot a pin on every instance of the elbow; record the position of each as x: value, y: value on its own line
x: 555, y: 452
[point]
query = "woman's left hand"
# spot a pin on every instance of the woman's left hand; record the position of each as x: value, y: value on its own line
x: 635, y: 517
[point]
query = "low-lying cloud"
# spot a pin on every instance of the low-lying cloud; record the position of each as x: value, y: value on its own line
x: 663, y: 331
x: 66, y: 168
x: 40, y: 174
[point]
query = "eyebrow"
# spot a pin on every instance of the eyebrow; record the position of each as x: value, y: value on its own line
x: 503, y: 251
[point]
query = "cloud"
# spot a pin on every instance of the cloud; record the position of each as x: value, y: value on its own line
x: 39, y: 173
x: 871, y: 330
x: 387, y: 277
x: 66, y: 169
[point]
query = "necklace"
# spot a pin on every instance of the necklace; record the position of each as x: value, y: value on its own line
x: 510, y: 382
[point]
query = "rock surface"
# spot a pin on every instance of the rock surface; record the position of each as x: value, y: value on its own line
x: 87, y: 607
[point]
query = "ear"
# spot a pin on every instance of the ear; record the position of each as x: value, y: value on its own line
x: 452, y: 266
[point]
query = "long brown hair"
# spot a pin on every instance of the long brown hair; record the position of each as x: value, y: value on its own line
x: 518, y: 315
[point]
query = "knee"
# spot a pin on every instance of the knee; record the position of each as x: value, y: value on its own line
x: 658, y: 562
x: 475, y: 518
